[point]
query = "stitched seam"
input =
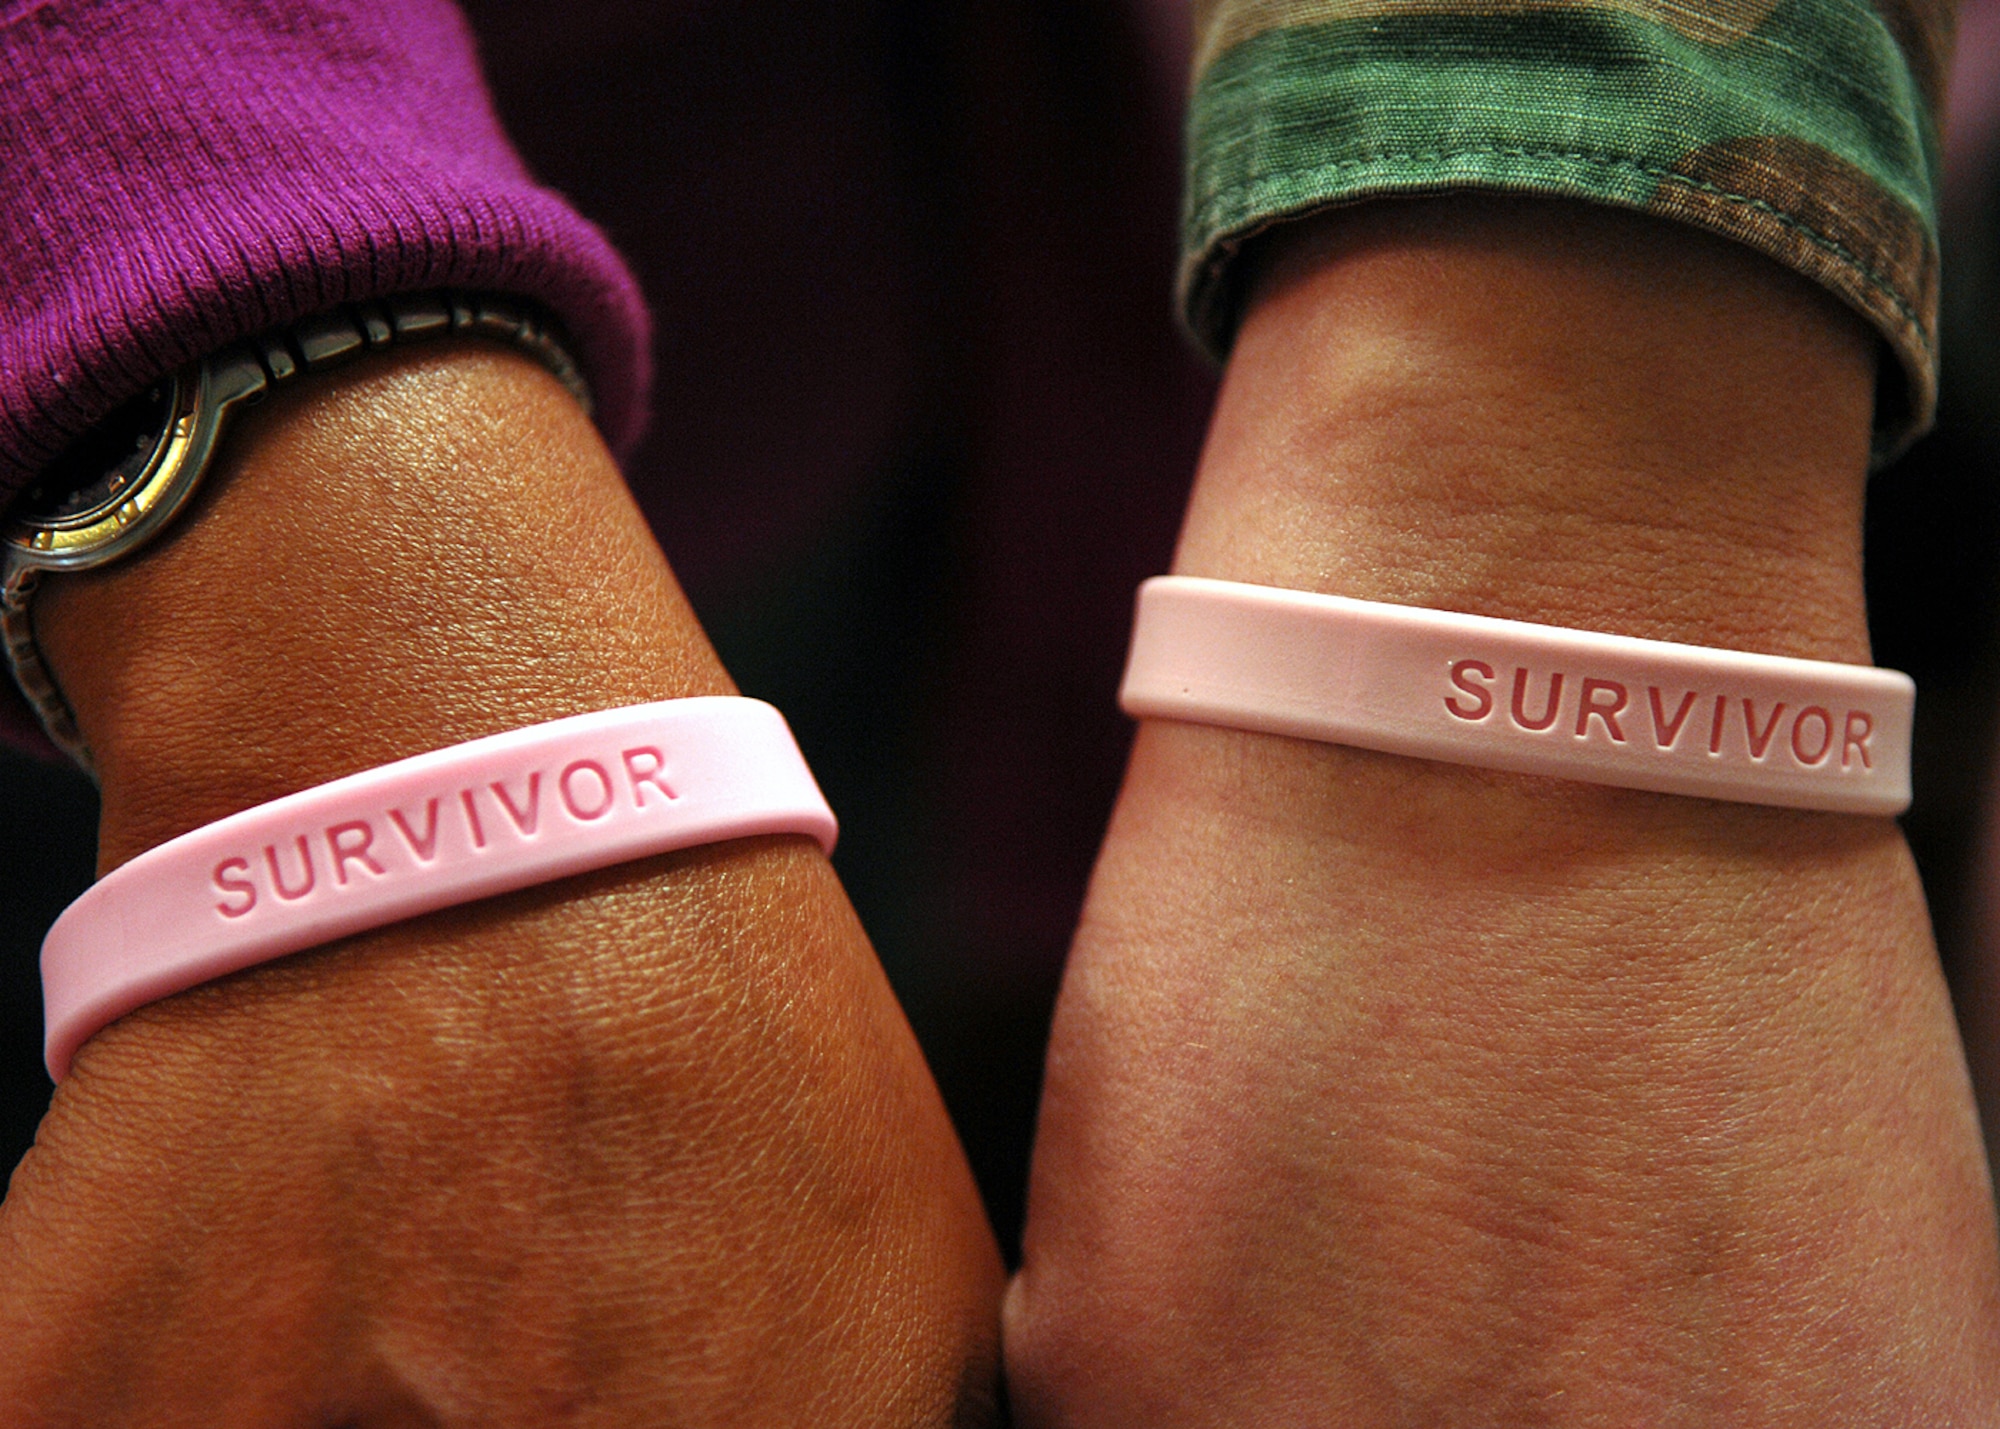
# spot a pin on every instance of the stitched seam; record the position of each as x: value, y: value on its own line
x: 1607, y: 161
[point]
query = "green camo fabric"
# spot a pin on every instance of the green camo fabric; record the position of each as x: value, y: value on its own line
x: 1803, y: 128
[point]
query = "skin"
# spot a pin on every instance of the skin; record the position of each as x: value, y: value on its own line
x: 652, y: 1145
x: 1381, y: 1092
x: 1387, y: 1092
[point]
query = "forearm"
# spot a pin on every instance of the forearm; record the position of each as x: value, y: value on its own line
x: 1428, y: 1093
x: 656, y: 1138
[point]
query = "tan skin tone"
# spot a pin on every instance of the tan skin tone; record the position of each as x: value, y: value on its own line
x: 1385, y: 1092
x: 648, y: 1146
x: 1382, y: 1092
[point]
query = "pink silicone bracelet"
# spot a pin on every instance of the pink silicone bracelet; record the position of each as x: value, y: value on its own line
x: 447, y: 827
x: 1535, y: 699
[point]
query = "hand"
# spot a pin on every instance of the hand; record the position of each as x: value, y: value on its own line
x: 650, y: 1145
x: 1391, y: 1092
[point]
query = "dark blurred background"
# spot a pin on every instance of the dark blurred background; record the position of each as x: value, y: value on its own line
x: 923, y: 420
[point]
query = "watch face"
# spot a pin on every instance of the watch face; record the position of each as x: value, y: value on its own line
x: 102, y: 468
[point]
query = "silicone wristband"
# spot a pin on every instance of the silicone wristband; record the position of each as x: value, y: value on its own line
x: 1534, y: 699
x: 447, y: 827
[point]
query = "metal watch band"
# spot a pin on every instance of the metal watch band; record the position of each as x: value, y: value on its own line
x: 327, y: 339
x: 31, y: 672
x: 241, y: 373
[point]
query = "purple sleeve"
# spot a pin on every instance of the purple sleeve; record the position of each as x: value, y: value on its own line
x: 176, y: 174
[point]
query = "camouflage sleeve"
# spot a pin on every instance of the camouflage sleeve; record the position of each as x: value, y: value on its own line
x: 1804, y: 128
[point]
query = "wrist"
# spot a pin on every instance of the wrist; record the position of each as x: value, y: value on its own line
x: 1475, y: 1064
x: 552, y: 1109
x: 1605, y: 423
x: 423, y: 548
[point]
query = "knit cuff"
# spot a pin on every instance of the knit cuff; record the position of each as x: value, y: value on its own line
x: 185, y: 173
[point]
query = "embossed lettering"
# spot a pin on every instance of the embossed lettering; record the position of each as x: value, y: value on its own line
x: 1759, y: 742
x: 1666, y: 731
x: 654, y: 774
x: 1859, y: 727
x: 1461, y: 674
x: 349, y: 843
x: 1548, y: 717
x: 424, y: 848
x: 524, y: 819
x: 606, y: 795
x: 1812, y: 731
x: 1825, y: 735
x: 1589, y: 705
x: 472, y: 818
x: 278, y: 876
x: 239, y: 885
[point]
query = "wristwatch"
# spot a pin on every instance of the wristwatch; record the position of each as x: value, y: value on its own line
x: 121, y: 484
